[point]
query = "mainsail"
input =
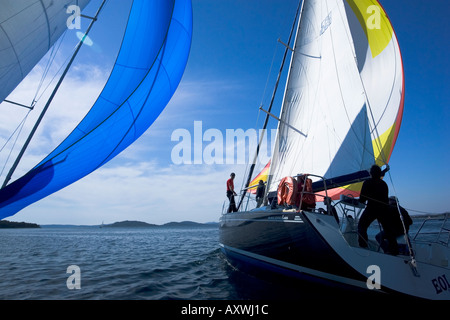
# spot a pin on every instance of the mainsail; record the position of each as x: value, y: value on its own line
x: 148, y: 69
x: 345, y: 93
x: 28, y: 29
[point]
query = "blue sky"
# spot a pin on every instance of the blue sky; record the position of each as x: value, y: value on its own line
x: 227, y: 77
x: 419, y: 161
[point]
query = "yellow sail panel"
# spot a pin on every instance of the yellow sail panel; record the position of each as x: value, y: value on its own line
x: 387, y: 142
x: 350, y: 108
x: 352, y: 190
x: 261, y: 176
x: 374, y: 22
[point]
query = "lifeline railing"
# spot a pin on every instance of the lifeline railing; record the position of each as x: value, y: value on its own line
x: 327, y: 184
x: 250, y: 200
x: 442, y: 236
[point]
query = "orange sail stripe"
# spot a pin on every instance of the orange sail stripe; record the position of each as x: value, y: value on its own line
x: 261, y: 176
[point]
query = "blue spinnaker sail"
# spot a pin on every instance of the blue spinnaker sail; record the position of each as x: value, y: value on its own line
x: 148, y: 69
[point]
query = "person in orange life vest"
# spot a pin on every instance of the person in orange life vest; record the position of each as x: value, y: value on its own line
x: 231, y: 193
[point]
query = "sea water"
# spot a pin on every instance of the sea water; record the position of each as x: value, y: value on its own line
x: 121, y: 263
x: 158, y: 263
x: 113, y: 263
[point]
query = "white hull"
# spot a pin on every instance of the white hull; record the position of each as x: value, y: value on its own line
x: 429, y: 279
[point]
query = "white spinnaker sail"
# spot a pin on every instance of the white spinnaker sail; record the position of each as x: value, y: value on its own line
x: 28, y: 29
x: 341, y: 93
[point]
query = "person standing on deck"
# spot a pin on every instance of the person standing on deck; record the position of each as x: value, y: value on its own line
x: 376, y: 192
x: 231, y: 193
x: 260, y: 193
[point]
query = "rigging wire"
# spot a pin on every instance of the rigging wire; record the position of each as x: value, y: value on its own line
x: 49, y: 101
x: 18, y: 128
x: 263, y: 97
x: 361, y: 140
x: 37, y: 96
x: 69, y: 55
x: 298, y: 16
x: 51, y: 59
x: 405, y: 232
x: 269, y: 74
x: 368, y: 105
x: 379, y: 145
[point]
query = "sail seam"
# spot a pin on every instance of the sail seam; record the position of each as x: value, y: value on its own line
x: 115, y: 111
x: 339, y: 84
x: 276, y: 155
x: 14, y: 50
x: 48, y: 23
x: 351, y: 45
x: 131, y: 67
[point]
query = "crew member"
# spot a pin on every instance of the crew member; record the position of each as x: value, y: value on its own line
x: 376, y: 192
x: 260, y: 193
x: 231, y: 193
x: 396, y: 225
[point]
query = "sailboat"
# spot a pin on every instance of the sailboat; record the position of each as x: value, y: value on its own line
x: 341, y: 114
x: 149, y: 66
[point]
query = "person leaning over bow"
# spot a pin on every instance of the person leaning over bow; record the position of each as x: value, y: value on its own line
x: 231, y: 193
x: 397, y: 226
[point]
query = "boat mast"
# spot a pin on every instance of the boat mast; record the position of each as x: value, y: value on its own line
x: 49, y: 101
x: 252, y: 166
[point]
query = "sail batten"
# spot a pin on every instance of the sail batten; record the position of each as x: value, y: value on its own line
x: 341, y: 91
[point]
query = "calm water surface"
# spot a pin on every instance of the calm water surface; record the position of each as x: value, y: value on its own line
x: 119, y: 263
x: 115, y: 263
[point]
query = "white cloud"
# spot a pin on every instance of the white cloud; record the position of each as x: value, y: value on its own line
x: 72, y: 102
x: 141, y: 183
x: 138, y: 191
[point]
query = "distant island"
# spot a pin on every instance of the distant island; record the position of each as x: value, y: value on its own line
x: 139, y: 224
x: 4, y: 224
x: 129, y: 224
x: 430, y: 216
